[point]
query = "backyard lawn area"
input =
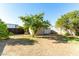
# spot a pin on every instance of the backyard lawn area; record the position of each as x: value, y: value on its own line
x: 47, y: 45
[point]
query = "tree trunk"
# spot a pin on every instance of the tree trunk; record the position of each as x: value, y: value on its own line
x: 72, y: 33
x: 31, y: 31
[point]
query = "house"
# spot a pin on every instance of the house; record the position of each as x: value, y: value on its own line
x: 43, y: 31
x: 12, y: 25
x: 14, y: 29
x: 46, y: 31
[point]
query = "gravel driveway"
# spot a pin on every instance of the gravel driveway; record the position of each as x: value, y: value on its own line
x: 37, y: 47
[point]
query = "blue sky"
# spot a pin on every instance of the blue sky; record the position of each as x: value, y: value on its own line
x: 10, y: 13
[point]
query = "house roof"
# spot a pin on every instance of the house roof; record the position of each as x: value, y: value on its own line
x: 12, y: 24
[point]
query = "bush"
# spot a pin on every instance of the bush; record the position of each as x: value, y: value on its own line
x: 77, y: 33
x: 10, y: 33
x: 3, y: 30
x: 71, y: 39
x: 67, y: 34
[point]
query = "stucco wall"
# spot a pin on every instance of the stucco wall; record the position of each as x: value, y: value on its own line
x: 44, y: 31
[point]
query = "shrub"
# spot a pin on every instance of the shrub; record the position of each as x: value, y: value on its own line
x: 10, y: 33
x: 77, y: 33
x: 67, y: 34
x: 71, y: 39
x: 3, y: 30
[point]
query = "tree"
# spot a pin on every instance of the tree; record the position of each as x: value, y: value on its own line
x: 3, y: 30
x: 69, y: 22
x: 33, y: 23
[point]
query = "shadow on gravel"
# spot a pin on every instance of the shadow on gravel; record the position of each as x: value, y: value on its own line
x: 2, y: 46
x: 21, y: 41
x: 58, y: 38
x: 13, y: 42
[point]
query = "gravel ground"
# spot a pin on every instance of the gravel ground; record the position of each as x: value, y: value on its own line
x: 37, y: 47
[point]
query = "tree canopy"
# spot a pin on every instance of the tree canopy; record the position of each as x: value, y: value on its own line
x: 35, y: 22
x: 69, y: 21
x: 3, y: 30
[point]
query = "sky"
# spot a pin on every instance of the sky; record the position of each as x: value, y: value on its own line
x: 10, y: 12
